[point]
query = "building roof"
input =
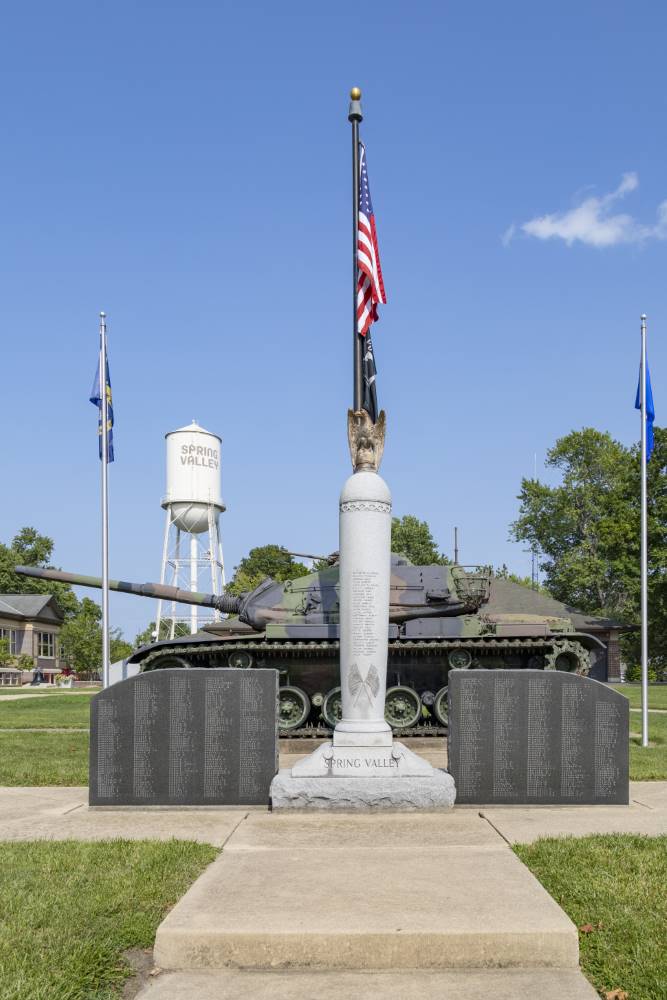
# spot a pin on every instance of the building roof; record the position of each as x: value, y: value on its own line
x: 42, y: 607
x: 509, y: 597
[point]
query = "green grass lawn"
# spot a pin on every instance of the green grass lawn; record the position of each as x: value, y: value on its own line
x: 657, y: 694
x: 43, y: 759
x: 69, y: 910
x: 616, y: 885
x: 47, y: 690
x: 648, y: 763
x: 68, y: 712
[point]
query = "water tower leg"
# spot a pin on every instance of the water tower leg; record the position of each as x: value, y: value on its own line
x: 163, y: 571
x: 216, y: 565
x: 194, y: 583
x: 222, y: 564
x: 177, y: 571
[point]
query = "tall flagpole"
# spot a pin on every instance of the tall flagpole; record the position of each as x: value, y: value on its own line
x: 354, y: 117
x: 105, y: 501
x: 644, y: 540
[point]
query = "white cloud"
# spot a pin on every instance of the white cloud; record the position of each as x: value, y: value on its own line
x: 592, y: 222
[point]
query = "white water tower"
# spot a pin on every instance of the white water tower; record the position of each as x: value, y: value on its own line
x: 192, y: 550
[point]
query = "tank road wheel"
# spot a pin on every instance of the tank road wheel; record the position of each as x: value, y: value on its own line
x: 240, y: 659
x: 440, y: 707
x: 402, y: 707
x: 571, y: 658
x: 293, y: 708
x: 459, y: 659
x: 537, y: 662
x: 332, y: 707
x: 169, y: 661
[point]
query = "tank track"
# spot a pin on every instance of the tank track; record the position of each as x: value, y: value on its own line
x: 487, y: 652
x: 551, y: 648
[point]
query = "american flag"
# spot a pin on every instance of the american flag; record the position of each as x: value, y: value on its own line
x: 370, y: 286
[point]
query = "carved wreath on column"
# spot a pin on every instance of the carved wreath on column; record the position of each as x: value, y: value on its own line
x: 366, y: 439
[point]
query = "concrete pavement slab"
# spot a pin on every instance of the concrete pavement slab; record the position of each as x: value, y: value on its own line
x: 60, y: 813
x: 523, y: 824
x: 399, y: 908
x: 652, y: 794
x: 63, y: 814
x: 335, y: 832
x: 416, y: 984
x: 20, y: 804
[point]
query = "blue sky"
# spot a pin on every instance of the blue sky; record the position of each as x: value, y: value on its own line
x: 185, y: 166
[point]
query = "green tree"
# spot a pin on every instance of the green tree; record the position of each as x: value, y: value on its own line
x: 657, y: 554
x: 29, y: 548
x: 81, y: 638
x: 6, y: 658
x: 146, y: 637
x: 119, y: 648
x: 583, y: 527
x: 266, y: 560
x: 587, y: 530
x: 504, y: 573
x: 412, y: 538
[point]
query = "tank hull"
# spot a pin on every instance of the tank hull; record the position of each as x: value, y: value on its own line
x: 420, y: 665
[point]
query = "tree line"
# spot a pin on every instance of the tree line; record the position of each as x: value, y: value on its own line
x: 81, y: 632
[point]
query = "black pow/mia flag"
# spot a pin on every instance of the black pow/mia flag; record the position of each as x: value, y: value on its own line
x: 369, y: 373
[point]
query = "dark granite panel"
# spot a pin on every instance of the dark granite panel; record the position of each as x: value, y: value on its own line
x: 536, y: 737
x: 185, y: 737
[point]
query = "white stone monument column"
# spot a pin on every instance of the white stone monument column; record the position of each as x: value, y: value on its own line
x: 365, y: 568
x: 363, y: 767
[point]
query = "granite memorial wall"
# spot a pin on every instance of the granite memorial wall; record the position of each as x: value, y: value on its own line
x: 185, y: 737
x: 538, y: 737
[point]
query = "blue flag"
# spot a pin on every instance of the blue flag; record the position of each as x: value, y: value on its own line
x: 650, y: 410
x: 96, y: 399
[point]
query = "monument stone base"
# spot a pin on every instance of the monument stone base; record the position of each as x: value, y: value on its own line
x: 362, y: 778
x: 362, y: 794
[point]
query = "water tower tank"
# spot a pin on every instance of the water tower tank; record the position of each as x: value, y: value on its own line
x: 194, y: 479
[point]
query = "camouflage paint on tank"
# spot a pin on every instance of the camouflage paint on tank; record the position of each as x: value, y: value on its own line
x: 436, y: 621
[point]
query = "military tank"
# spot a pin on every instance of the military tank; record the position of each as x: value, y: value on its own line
x: 436, y: 622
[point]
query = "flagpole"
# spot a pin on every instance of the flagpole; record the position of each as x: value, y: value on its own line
x: 105, y: 501
x: 354, y: 117
x: 644, y: 539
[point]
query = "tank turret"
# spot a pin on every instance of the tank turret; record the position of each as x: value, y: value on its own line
x: 416, y: 592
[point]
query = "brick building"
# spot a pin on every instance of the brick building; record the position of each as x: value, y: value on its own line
x: 31, y: 623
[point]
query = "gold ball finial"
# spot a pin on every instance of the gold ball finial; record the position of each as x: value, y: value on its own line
x: 355, y: 94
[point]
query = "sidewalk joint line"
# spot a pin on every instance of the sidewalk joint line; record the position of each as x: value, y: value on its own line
x: 232, y: 832
x: 483, y: 815
x: 79, y: 805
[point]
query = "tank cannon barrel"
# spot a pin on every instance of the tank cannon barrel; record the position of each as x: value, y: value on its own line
x: 223, y: 602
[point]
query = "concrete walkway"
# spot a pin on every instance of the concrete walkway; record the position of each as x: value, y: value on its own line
x: 370, y: 907
x: 401, y: 891
x: 415, y: 984
x: 63, y: 813
x: 367, y: 906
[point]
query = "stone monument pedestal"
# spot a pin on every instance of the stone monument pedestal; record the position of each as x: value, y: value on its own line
x: 363, y: 791
x: 362, y: 778
x: 363, y: 768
